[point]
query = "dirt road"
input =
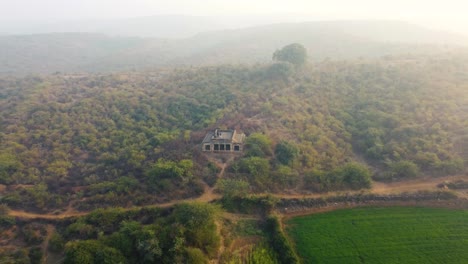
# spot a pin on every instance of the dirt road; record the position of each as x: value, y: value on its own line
x: 420, y: 184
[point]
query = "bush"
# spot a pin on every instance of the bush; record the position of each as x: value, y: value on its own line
x: 261, y: 254
x: 231, y: 188
x: 33, y: 233
x: 450, y: 167
x: 293, y: 53
x: 35, y: 255
x: 4, y: 209
x: 198, y: 220
x: 90, y: 252
x: 81, y: 230
x: 179, y: 172
x: 56, y: 243
x: 258, y: 145
x: 349, y: 176
x: 7, y: 221
x: 195, y: 256
x: 279, y: 242
x: 398, y: 170
x: 256, y: 167
x: 285, y: 152
x: 285, y: 177
x: 355, y: 176
x: 251, y: 204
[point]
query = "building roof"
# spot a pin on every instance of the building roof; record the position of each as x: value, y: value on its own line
x: 238, y: 138
x: 223, y: 136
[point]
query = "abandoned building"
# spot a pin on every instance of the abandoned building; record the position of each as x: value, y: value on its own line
x: 223, y: 141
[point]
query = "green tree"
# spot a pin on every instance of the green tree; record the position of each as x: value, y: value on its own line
x: 258, y: 145
x: 286, y: 152
x: 196, y: 256
x: 8, y: 165
x: 91, y: 252
x: 199, y: 222
x: 255, y: 166
x: 232, y: 188
x: 280, y: 70
x: 56, y: 243
x: 356, y: 175
x: 293, y: 53
x: 35, y: 255
x: 403, y: 169
x: 164, y: 174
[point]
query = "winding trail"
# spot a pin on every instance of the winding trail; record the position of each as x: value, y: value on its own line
x: 207, y: 196
x: 420, y: 184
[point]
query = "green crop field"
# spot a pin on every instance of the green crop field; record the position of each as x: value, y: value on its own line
x: 382, y: 235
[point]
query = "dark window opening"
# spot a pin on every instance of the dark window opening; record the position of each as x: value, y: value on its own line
x: 222, y: 146
x: 236, y: 148
x: 228, y: 147
x: 207, y: 147
x: 216, y: 146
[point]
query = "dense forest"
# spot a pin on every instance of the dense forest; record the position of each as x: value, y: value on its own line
x: 128, y: 139
x: 310, y: 128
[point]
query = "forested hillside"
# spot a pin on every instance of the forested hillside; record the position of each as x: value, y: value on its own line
x: 133, y: 138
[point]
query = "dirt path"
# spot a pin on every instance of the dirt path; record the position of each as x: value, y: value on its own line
x: 208, y: 192
x: 207, y: 196
x: 221, y: 248
x: 424, y: 183
x: 420, y: 184
x: 236, y: 216
x: 23, y: 214
x: 45, y: 245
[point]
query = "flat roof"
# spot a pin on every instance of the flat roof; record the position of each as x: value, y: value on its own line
x: 224, y: 136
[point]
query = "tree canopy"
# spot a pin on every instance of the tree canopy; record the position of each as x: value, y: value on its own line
x: 293, y: 53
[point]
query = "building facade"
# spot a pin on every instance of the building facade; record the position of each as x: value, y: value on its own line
x: 226, y: 140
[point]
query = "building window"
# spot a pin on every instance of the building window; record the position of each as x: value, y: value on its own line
x: 207, y: 147
x: 228, y: 147
x: 222, y: 146
x: 216, y: 147
x: 236, y: 148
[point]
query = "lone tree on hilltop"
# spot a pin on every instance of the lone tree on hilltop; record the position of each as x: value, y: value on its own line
x: 293, y: 53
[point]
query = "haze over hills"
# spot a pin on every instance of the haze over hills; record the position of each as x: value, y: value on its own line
x: 94, y: 52
x: 158, y: 26
x: 164, y: 26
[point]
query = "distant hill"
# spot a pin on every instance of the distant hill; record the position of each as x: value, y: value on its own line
x: 57, y: 52
x: 181, y: 26
x: 91, y: 52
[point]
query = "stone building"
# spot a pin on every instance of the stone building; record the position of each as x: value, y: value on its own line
x: 223, y: 141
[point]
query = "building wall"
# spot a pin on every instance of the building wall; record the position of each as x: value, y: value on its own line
x: 222, y: 147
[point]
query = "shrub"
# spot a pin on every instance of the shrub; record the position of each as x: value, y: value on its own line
x: 196, y: 256
x: 285, y: 152
x: 90, y: 252
x: 404, y: 169
x: 56, y: 243
x: 279, y: 242
x: 258, y: 145
x: 35, y: 255
x: 349, y: 176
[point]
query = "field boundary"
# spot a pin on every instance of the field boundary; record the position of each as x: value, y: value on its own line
x: 440, y: 199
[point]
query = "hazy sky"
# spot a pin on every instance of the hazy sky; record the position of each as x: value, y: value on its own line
x: 444, y: 14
